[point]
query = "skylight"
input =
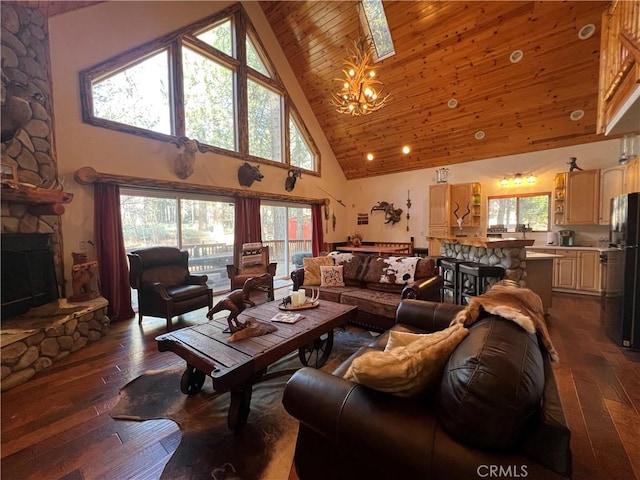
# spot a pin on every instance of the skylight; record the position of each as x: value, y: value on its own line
x: 375, y: 21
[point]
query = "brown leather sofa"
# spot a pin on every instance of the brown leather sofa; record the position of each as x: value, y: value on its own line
x: 350, y: 431
x: 377, y: 302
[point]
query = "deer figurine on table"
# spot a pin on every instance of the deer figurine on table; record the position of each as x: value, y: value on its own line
x: 460, y: 220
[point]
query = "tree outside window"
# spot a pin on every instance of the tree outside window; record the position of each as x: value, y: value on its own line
x: 529, y: 209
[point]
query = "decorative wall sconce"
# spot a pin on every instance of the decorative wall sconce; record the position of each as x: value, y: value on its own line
x: 518, y: 179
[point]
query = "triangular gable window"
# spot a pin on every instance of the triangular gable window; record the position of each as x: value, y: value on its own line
x: 254, y: 60
x: 219, y: 37
x: 192, y: 83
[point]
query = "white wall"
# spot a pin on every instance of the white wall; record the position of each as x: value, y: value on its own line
x: 88, y: 36
x: 365, y: 193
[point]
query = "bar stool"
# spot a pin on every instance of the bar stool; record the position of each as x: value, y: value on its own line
x: 475, y: 279
x: 449, y: 292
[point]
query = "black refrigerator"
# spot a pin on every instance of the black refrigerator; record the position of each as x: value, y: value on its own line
x: 622, y: 310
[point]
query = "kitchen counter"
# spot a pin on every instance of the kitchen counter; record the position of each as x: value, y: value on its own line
x: 541, y: 256
x: 577, y: 247
x: 485, y: 242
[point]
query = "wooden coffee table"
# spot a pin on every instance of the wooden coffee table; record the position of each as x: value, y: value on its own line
x: 237, y: 366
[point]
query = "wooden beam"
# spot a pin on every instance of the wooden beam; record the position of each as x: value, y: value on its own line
x: 88, y: 176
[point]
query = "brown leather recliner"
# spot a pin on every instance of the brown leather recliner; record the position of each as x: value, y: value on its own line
x: 165, y: 286
x: 471, y: 428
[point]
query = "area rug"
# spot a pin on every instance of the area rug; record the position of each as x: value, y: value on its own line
x: 262, y: 449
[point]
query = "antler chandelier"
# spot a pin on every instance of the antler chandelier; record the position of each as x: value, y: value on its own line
x: 360, y: 92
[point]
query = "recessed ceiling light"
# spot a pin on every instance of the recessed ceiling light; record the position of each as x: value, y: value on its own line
x: 406, y: 149
x: 479, y: 135
x: 453, y: 103
x: 369, y: 156
x: 576, y: 115
x: 516, y: 56
x: 587, y: 31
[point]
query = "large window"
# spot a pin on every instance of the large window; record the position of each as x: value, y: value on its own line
x: 202, y: 226
x: 531, y: 210
x: 197, y: 83
x: 287, y: 230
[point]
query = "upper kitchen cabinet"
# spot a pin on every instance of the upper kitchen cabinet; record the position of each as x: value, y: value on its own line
x: 611, y: 185
x: 582, y: 198
x: 632, y: 176
x: 465, y: 200
x: 619, y: 83
x: 439, y: 205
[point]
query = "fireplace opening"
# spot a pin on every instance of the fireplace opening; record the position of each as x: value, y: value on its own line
x: 28, y: 272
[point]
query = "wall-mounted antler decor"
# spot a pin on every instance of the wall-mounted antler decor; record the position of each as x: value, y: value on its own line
x: 392, y: 215
x: 460, y: 219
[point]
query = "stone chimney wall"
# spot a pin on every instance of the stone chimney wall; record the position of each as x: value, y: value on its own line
x: 27, y: 121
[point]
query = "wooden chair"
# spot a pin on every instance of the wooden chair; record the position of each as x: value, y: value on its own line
x: 165, y: 286
x: 254, y: 261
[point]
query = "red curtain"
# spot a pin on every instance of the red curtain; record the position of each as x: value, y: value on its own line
x: 247, y: 224
x: 317, y: 237
x: 110, y: 252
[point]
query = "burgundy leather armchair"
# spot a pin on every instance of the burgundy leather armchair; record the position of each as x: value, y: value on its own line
x: 165, y: 286
x: 350, y: 431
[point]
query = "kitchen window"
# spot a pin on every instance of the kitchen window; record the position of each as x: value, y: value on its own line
x: 531, y: 210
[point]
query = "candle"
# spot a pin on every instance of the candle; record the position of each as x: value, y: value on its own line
x: 302, y: 298
x: 294, y: 299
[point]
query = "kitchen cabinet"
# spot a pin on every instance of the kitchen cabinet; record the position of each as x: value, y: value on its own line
x: 632, y: 176
x: 465, y: 197
x: 588, y: 271
x: 439, y: 205
x: 611, y: 185
x: 577, y: 270
x: 434, y: 245
x: 565, y: 273
x: 582, y: 198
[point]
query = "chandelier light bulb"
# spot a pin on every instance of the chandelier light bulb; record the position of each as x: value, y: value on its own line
x: 369, y: 156
x: 372, y: 74
x: 406, y: 149
x: 352, y: 73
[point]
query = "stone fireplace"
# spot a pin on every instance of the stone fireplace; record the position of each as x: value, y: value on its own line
x: 38, y: 328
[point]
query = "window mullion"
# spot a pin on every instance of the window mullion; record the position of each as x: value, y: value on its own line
x: 241, y: 85
x: 176, y: 80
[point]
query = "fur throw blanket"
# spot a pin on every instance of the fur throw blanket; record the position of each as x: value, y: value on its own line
x: 519, y: 305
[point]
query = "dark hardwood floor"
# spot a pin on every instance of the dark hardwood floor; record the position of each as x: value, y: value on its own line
x: 57, y: 424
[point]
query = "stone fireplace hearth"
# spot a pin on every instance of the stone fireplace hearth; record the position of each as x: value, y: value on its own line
x: 47, y: 334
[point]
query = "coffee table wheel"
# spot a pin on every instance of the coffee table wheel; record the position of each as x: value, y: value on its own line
x: 239, y: 408
x: 317, y: 352
x: 192, y: 380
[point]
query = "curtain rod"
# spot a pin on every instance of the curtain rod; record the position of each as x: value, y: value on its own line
x: 88, y: 176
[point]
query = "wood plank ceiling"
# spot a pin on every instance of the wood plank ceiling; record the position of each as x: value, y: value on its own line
x: 444, y: 50
x: 450, y: 50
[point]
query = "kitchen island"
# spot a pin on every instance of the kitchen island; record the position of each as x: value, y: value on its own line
x: 508, y: 253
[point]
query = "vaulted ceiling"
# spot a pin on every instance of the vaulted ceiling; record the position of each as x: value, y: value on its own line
x: 450, y: 50
x: 445, y: 50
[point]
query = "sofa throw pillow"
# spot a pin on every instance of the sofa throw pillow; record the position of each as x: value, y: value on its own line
x: 312, y: 269
x: 331, y: 276
x: 408, y: 371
